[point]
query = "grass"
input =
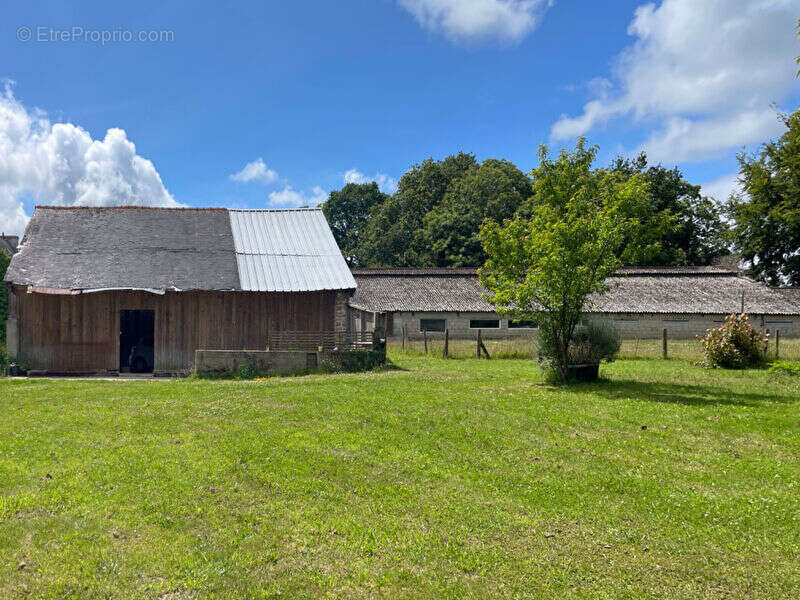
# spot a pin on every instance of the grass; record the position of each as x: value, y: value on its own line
x: 440, y: 479
x: 689, y: 350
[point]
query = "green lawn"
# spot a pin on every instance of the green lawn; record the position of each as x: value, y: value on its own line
x: 442, y: 479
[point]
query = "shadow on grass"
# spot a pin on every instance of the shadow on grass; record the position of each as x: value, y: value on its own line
x: 676, y: 393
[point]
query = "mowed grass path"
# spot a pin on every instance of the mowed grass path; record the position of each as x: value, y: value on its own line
x: 443, y: 479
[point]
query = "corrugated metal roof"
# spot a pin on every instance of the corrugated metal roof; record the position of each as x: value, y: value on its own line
x: 287, y: 251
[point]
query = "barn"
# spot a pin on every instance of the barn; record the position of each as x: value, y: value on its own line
x: 95, y: 290
x: 642, y: 302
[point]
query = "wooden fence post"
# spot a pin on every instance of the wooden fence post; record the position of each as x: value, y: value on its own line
x: 664, y: 342
x: 425, y: 338
x: 777, y: 343
x: 446, y: 350
x: 767, y: 332
x: 404, y: 337
x: 478, y: 347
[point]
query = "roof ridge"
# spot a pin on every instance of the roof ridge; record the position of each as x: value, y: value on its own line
x: 127, y: 207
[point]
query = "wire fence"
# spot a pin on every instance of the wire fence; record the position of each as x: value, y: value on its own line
x: 526, y: 348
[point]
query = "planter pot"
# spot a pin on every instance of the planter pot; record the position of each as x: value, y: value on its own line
x: 583, y: 372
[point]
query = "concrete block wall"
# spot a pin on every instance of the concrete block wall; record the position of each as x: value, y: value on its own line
x: 630, y: 325
x: 684, y: 326
x: 458, y: 326
x: 341, y: 312
x: 278, y: 362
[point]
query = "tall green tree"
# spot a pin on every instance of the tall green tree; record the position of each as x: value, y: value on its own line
x: 494, y: 190
x: 348, y: 212
x: 766, y: 214
x: 690, y: 226
x: 395, y: 235
x: 5, y: 259
x: 549, y: 263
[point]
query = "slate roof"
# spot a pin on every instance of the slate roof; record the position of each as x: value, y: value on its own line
x: 157, y: 249
x: 671, y: 290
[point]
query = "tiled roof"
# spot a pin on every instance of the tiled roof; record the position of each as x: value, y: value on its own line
x: 703, y: 290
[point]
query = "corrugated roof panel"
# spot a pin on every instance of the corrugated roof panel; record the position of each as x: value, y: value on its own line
x: 287, y: 251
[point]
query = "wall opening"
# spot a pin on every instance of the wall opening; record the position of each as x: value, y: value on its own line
x: 136, y: 341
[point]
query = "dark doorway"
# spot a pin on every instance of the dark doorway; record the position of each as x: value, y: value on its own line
x: 136, y: 341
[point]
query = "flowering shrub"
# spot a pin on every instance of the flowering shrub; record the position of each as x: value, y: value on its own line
x: 735, y: 344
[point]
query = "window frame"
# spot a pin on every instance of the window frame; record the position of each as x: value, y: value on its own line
x: 533, y: 324
x: 471, y: 321
x: 442, y: 330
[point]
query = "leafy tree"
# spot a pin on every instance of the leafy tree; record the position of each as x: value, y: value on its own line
x: 5, y: 259
x: 689, y: 226
x: 395, y: 235
x: 548, y: 264
x: 766, y: 214
x: 348, y: 211
x: 494, y: 190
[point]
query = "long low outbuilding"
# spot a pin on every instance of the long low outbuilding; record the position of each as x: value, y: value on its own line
x: 641, y: 303
x: 94, y: 290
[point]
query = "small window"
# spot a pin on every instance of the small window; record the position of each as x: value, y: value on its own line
x: 432, y: 324
x: 484, y: 323
x: 522, y: 324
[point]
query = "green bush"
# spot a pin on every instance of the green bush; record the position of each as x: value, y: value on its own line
x: 735, y: 344
x: 5, y: 361
x: 352, y: 361
x: 592, y: 344
x: 785, y: 367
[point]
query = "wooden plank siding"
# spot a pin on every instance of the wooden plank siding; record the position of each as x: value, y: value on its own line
x: 80, y: 334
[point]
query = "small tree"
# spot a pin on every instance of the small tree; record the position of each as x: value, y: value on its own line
x: 549, y: 266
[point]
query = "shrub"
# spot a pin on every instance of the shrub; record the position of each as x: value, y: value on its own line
x: 735, y: 344
x: 5, y: 361
x: 352, y: 361
x: 592, y: 344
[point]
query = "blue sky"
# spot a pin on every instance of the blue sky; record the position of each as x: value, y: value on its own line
x: 313, y: 93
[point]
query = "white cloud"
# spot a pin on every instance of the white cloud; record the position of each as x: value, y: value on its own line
x: 255, y: 171
x: 721, y: 189
x: 60, y: 164
x: 699, y: 68
x: 470, y: 20
x: 688, y: 140
x: 288, y: 197
x: 387, y: 184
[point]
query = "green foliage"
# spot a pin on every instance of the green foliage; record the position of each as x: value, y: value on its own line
x: 785, y: 367
x: 549, y: 265
x: 5, y: 259
x: 352, y: 361
x: 689, y: 226
x: 595, y: 343
x: 395, y: 235
x: 348, y: 211
x: 494, y: 190
x: 766, y: 231
x: 5, y: 361
x: 735, y: 344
